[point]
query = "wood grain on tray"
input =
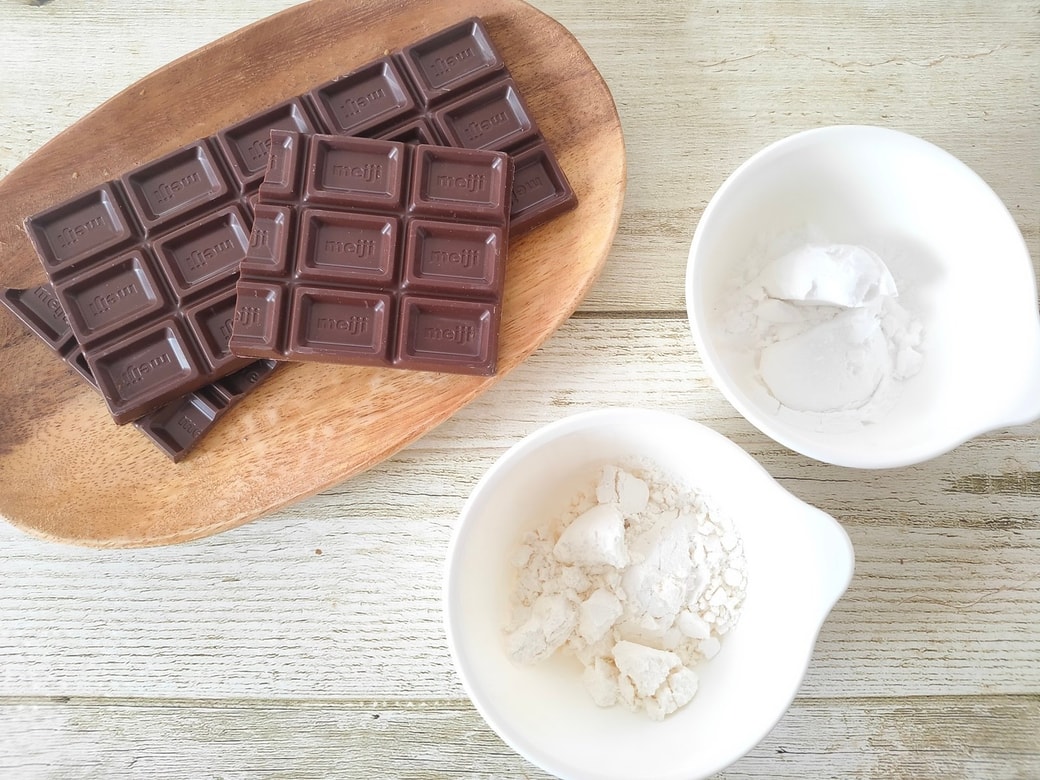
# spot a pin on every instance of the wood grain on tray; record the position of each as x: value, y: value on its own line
x: 70, y: 474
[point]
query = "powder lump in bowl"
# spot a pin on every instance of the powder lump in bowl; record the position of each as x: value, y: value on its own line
x: 638, y: 581
x: 824, y: 329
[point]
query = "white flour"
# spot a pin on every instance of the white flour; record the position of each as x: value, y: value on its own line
x: 637, y: 581
x: 824, y: 332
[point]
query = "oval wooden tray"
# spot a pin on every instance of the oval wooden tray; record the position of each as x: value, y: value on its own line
x: 68, y: 473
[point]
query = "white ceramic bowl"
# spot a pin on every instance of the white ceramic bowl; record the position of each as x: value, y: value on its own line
x: 799, y: 562
x: 957, y: 256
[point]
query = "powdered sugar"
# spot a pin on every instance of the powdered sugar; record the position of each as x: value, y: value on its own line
x: 822, y: 329
x: 637, y: 580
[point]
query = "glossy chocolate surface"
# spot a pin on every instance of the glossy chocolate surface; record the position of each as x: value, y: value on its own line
x: 376, y: 252
x: 175, y: 427
x: 139, y: 261
x: 132, y: 260
x: 451, y: 88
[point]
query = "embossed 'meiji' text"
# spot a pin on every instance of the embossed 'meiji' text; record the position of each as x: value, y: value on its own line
x: 353, y: 325
x: 465, y: 258
x: 474, y: 182
x: 247, y: 316
x: 137, y: 372
x: 477, y: 128
x: 189, y: 426
x: 259, y: 236
x: 441, y: 66
x: 353, y: 105
x: 198, y: 259
x: 360, y: 248
x: 532, y: 185
x: 459, y: 334
x: 102, y: 304
x: 50, y: 301
x: 170, y: 190
x: 367, y: 173
x: 70, y: 235
x: 259, y: 150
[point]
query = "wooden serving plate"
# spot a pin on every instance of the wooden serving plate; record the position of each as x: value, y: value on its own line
x: 68, y: 473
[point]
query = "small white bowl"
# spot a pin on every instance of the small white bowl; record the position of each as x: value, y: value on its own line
x: 799, y: 562
x: 957, y: 255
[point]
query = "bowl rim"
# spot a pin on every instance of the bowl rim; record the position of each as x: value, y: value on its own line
x: 922, y: 449
x: 573, y: 424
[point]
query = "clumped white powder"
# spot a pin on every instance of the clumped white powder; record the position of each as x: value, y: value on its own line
x: 825, y: 333
x: 638, y: 581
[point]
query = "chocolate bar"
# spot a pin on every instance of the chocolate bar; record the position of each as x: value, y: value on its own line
x: 376, y: 252
x: 145, y: 265
x: 175, y: 427
x: 454, y: 89
x: 146, y: 281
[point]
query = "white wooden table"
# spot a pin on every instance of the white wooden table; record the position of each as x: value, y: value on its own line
x: 309, y: 643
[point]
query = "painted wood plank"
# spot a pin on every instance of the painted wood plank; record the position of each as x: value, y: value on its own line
x: 262, y: 614
x: 992, y: 737
x: 946, y: 597
x: 293, y: 652
x: 699, y: 87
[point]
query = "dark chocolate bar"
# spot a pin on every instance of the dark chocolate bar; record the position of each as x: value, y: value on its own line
x: 175, y: 427
x: 145, y: 265
x: 146, y: 280
x: 376, y: 253
x: 454, y: 89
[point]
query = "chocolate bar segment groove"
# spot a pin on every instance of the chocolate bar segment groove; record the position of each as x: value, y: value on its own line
x: 133, y: 256
x: 375, y: 252
x: 178, y: 183
x: 368, y: 99
x: 161, y: 243
x: 246, y: 144
x: 450, y: 61
x: 85, y: 226
x: 175, y: 427
x: 451, y: 88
